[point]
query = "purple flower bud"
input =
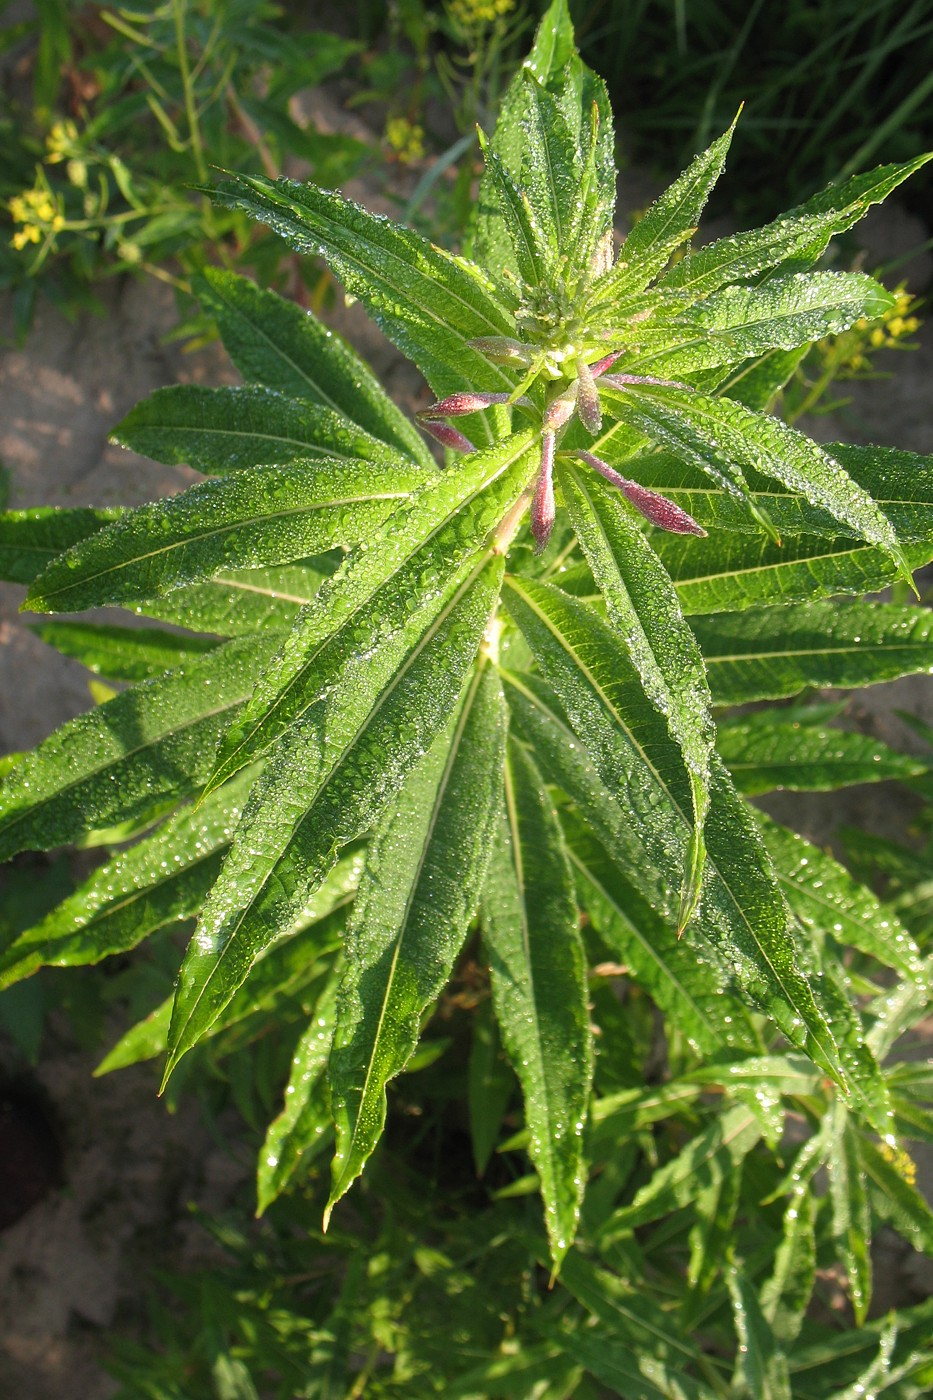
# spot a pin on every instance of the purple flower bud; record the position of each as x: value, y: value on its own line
x: 444, y: 433
x: 561, y: 409
x: 588, y: 405
x: 601, y: 366
x: 659, y: 511
x: 456, y: 405
x: 656, y: 509
x: 502, y: 350
x: 543, y: 511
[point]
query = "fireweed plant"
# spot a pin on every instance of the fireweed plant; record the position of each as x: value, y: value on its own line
x: 418, y: 709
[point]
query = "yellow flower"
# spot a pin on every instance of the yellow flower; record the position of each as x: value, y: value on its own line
x: 60, y: 141
x: 471, y: 14
x: 901, y: 1161
x: 406, y: 138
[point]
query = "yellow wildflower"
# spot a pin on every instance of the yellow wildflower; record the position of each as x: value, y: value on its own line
x: 406, y: 138
x: 471, y: 14
x: 60, y: 142
x: 901, y: 1161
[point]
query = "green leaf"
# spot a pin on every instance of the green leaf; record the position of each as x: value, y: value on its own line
x: 627, y: 1369
x: 762, y: 756
x: 429, y: 303
x: 279, y: 980
x: 29, y: 539
x: 326, y: 784
x: 162, y: 879
x: 798, y: 237
x: 706, y: 1159
x: 220, y: 431
x: 123, y: 653
x: 538, y: 970
x: 490, y: 1084
x: 377, y: 589
x: 761, y: 1367
x: 270, y: 515
x: 738, y: 322
x: 303, y: 1128
x: 284, y: 347
x: 826, y: 899
x: 670, y: 221
x: 769, y: 653
x: 420, y: 889
x: 785, y: 1294
x: 237, y: 602
x: 711, y: 1237
x: 742, y: 913
x: 730, y: 572
x: 685, y: 987
x: 125, y: 758
x: 725, y: 438
x: 851, y: 1213
x: 643, y: 606
x: 533, y: 257
x: 626, y: 1312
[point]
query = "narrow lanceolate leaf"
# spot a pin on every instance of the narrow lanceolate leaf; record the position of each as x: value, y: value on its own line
x: 429, y: 303
x: 626, y: 1312
x: 224, y: 430
x: 669, y: 222
x: 420, y: 890
x: 284, y: 347
x: 240, y: 601
x: 806, y: 758
x: 533, y: 256
x: 29, y: 539
x: 539, y: 989
x: 644, y: 608
x: 738, y: 322
x: 303, y: 955
x: 270, y: 515
x: 689, y: 989
x: 729, y: 572
x: 378, y: 587
x: 628, y: 1369
x: 552, y: 50
x: 162, y: 879
x: 827, y: 900
x: 770, y: 653
x: 124, y: 759
x: 785, y: 1295
x: 708, y: 1158
x: 123, y: 653
x: 761, y: 1366
x: 797, y: 238
x: 742, y: 913
x: 851, y: 1212
x: 326, y: 785
x: 727, y: 439
x: 303, y: 1128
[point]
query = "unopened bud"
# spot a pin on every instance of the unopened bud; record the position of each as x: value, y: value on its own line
x: 456, y: 405
x: 560, y: 410
x: 601, y: 366
x: 656, y: 509
x: 502, y: 350
x: 446, y: 434
x: 588, y: 405
x: 543, y: 512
